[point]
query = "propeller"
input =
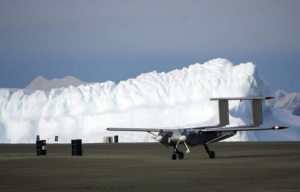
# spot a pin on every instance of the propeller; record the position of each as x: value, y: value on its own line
x: 159, y: 136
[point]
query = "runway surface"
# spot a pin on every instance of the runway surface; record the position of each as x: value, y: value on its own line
x: 268, y: 166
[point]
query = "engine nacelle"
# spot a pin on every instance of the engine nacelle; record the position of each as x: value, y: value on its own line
x: 164, y: 137
x: 182, y: 138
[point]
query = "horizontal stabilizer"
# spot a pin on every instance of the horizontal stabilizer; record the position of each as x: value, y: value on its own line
x: 133, y: 129
x: 243, y: 128
x: 241, y: 98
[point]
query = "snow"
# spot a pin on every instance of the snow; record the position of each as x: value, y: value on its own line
x: 290, y: 102
x: 179, y: 98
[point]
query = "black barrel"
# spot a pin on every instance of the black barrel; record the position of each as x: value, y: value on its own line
x: 76, y: 147
x: 116, y: 139
x: 41, y: 148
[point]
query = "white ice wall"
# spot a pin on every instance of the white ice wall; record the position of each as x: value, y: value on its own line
x: 175, y: 99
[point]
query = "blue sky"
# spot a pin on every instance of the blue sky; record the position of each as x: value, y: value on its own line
x: 97, y: 41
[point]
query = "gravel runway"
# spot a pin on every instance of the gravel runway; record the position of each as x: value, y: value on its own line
x: 245, y: 166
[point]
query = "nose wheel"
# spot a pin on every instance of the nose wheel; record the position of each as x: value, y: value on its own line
x: 180, y: 155
x: 174, y: 156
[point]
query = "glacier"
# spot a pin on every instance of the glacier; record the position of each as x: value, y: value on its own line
x: 177, y: 99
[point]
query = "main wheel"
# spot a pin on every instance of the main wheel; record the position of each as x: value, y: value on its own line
x: 174, y: 156
x: 180, y: 155
x: 212, y: 154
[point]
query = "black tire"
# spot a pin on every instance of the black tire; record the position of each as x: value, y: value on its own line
x: 212, y: 154
x: 180, y: 155
x: 174, y: 156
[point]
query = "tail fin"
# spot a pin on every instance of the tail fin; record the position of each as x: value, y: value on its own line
x: 223, y: 113
x: 256, y: 109
x: 257, y: 112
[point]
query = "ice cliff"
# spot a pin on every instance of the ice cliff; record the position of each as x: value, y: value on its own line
x: 179, y: 98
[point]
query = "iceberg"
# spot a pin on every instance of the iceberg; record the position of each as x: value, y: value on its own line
x: 179, y: 98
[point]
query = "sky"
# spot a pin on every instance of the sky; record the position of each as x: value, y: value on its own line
x: 101, y: 40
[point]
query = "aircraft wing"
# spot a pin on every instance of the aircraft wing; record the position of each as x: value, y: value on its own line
x: 243, y: 128
x: 257, y: 118
x: 203, y: 129
x: 134, y: 129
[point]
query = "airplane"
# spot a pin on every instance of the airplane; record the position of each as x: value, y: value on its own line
x: 208, y: 134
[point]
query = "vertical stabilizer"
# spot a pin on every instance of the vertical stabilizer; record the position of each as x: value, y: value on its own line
x: 256, y: 109
x: 257, y: 112
x: 223, y: 112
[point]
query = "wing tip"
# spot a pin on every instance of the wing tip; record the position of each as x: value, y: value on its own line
x: 269, y: 97
x: 279, y: 127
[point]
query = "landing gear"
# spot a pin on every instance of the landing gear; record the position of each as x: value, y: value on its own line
x: 174, y: 156
x: 176, y: 153
x: 180, y: 155
x: 211, y: 154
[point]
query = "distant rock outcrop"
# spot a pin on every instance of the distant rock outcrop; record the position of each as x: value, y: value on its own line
x: 40, y: 83
x: 290, y: 102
